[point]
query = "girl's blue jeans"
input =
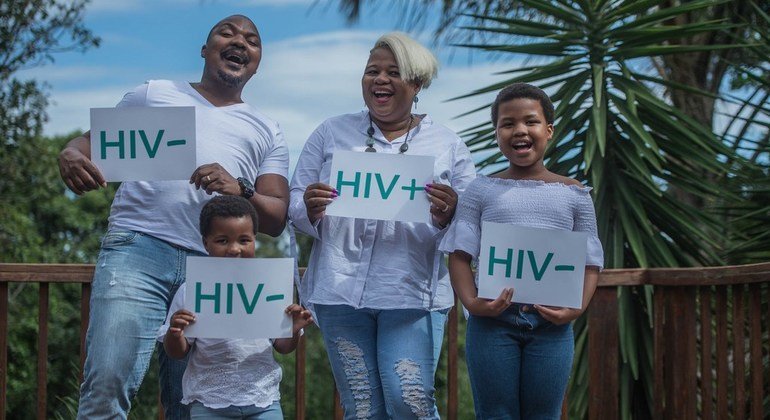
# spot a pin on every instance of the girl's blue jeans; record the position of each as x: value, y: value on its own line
x: 384, y: 361
x: 135, y: 278
x: 519, y: 364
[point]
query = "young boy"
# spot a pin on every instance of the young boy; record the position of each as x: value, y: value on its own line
x: 235, y: 378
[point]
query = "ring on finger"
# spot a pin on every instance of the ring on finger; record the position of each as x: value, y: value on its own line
x: 207, y: 178
x: 445, y: 209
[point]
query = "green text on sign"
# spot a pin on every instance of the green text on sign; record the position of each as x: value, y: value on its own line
x: 538, y: 270
x: 216, y: 297
x: 382, y: 187
x: 121, y: 144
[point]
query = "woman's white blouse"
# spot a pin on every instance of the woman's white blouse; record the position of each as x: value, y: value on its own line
x: 524, y: 203
x: 373, y: 263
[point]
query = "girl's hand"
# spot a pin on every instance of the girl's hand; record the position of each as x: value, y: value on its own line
x: 317, y: 196
x: 179, y: 321
x: 300, y: 316
x: 443, y: 200
x: 491, y: 308
x: 558, y: 316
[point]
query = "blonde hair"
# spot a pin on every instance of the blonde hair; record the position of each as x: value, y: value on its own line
x: 415, y: 62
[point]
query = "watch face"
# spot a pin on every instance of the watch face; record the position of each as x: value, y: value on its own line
x: 247, y: 188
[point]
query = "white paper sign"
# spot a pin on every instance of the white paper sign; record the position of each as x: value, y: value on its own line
x: 143, y: 143
x: 382, y: 186
x: 543, y: 266
x: 239, y: 297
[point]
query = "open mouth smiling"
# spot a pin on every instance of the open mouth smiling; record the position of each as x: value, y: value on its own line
x: 235, y: 56
x: 521, y: 145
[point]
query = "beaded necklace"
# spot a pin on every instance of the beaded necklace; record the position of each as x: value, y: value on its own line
x: 370, y: 141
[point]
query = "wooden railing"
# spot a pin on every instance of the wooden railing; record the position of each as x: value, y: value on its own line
x: 711, y: 344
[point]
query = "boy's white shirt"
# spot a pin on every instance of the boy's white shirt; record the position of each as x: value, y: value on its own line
x: 221, y: 373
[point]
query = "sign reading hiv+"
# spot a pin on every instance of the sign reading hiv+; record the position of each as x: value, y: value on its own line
x: 381, y: 186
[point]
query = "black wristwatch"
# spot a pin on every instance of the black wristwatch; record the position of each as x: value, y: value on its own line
x: 247, y: 188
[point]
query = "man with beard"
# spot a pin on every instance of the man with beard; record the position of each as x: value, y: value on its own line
x: 153, y: 225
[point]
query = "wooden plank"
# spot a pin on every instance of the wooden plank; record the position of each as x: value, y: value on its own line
x: 755, y: 364
x: 300, y: 357
x: 42, y: 351
x: 622, y: 277
x: 659, y: 345
x: 603, y: 352
x: 337, y: 406
x: 3, y: 348
x: 706, y: 276
x: 680, y: 379
x: 50, y: 273
x: 706, y: 354
x: 723, y: 371
x: 452, y: 364
x: 739, y: 355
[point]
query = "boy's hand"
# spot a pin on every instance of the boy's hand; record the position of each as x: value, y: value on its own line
x: 558, y: 316
x: 492, y: 308
x: 179, y: 321
x: 300, y: 316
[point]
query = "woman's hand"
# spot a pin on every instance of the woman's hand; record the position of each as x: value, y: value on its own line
x: 317, y: 196
x: 491, y: 308
x: 212, y: 177
x: 443, y: 200
x: 556, y: 315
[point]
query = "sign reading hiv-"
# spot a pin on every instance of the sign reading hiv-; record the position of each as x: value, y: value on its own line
x: 381, y: 186
x: 143, y: 143
x: 543, y: 266
x: 239, y: 297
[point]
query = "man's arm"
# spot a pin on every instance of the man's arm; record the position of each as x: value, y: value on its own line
x: 76, y: 168
x: 271, y: 199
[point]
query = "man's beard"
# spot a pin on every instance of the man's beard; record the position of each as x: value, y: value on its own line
x: 229, y: 80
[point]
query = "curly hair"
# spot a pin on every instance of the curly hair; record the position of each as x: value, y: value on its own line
x: 226, y: 206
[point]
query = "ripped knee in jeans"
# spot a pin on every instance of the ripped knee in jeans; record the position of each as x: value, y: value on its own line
x: 357, y: 375
x: 413, y: 389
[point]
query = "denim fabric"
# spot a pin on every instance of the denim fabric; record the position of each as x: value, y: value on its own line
x: 136, y: 276
x: 384, y: 361
x: 519, y: 364
x: 248, y: 412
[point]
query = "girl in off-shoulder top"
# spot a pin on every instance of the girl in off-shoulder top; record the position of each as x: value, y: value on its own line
x: 519, y: 356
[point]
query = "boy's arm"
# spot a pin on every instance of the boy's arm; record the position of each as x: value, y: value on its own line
x: 301, y: 318
x: 175, y: 343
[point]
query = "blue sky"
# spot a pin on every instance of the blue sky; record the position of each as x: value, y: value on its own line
x: 311, y: 66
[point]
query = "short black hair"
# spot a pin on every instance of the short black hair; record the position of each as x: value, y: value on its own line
x: 211, y: 32
x: 527, y: 91
x: 226, y: 206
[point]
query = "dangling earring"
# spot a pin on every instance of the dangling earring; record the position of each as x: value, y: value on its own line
x: 415, y: 100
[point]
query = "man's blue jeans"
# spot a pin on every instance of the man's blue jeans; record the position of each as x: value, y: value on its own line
x: 519, y: 364
x: 135, y: 279
x: 384, y: 361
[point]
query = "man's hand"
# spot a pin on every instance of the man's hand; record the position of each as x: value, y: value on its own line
x: 76, y: 168
x: 212, y: 177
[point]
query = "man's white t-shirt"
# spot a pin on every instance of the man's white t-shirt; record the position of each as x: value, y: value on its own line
x: 241, y: 139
